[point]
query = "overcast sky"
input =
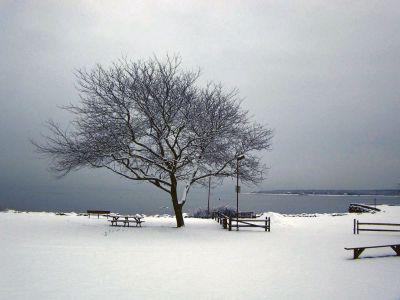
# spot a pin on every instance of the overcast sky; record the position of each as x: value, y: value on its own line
x: 325, y: 75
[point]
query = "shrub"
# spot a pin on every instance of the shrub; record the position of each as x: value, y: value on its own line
x: 203, y: 213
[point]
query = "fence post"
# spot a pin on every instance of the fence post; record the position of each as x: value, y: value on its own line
x: 358, y: 232
x: 230, y: 223
x: 267, y: 224
x: 224, y: 223
x: 354, y: 226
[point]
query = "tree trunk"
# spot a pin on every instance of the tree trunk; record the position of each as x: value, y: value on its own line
x: 177, y: 207
x: 178, y: 213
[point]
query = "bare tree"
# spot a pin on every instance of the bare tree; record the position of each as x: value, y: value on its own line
x: 150, y: 121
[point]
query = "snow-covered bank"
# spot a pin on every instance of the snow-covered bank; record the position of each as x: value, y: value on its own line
x: 73, y: 257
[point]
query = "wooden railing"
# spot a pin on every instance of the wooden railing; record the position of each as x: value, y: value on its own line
x: 221, y: 219
x: 357, y: 229
x: 229, y: 222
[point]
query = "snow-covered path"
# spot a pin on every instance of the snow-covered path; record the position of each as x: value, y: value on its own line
x: 73, y: 257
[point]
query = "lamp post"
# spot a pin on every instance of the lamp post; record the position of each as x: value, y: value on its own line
x: 208, y: 202
x: 240, y: 157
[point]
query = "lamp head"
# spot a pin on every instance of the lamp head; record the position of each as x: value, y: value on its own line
x: 240, y: 157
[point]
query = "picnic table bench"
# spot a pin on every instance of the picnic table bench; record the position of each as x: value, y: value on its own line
x: 126, y: 220
x: 246, y: 214
x: 97, y: 212
x: 358, y: 250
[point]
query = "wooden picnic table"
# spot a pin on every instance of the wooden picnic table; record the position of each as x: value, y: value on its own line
x: 125, y: 220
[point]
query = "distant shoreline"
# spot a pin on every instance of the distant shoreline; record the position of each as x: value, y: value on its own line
x: 387, y: 193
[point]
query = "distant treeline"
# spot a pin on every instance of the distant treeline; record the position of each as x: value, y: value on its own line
x: 391, y: 192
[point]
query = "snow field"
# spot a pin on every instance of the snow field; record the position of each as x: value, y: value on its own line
x: 73, y: 257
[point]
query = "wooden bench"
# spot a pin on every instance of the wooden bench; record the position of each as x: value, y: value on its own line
x: 246, y: 214
x: 359, y: 250
x: 97, y: 212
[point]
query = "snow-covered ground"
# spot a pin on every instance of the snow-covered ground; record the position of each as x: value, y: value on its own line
x: 45, y: 256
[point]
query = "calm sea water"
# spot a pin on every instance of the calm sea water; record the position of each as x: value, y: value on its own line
x: 295, y: 204
x: 152, y: 201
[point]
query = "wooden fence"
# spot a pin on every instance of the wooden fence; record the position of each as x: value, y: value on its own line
x: 376, y: 227
x: 229, y: 222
